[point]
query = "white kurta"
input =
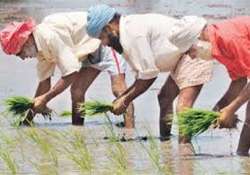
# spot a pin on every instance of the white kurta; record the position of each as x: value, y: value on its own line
x: 154, y: 43
x: 62, y: 41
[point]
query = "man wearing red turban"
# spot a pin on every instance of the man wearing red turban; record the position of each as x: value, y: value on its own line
x: 61, y: 41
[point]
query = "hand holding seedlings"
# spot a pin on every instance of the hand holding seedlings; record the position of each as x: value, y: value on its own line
x: 193, y: 122
x: 119, y: 106
x: 21, y: 107
x: 39, y: 104
x: 227, y: 119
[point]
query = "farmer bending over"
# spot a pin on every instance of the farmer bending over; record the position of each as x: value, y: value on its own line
x: 154, y: 43
x: 228, y: 42
x: 61, y: 41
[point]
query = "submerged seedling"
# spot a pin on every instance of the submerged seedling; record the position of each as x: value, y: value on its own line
x: 48, y: 150
x: 79, y: 153
x: 45, y: 168
x: 119, y: 159
x: 8, y: 160
x: 153, y: 152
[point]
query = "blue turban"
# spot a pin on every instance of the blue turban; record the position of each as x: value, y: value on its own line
x: 98, y: 17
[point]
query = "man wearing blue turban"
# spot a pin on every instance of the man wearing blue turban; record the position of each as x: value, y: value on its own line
x: 154, y: 43
x: 98, y: 17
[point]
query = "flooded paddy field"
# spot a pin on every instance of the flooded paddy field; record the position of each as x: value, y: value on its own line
x: 57, y: 147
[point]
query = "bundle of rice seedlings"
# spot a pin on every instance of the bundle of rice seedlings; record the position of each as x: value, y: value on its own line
x: 19, y: 107
x: 193, y: 122
x: 8, y: 160
x: 91, y: 108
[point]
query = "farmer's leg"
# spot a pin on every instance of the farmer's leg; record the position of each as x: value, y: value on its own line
x: 166, y: 96
x: 43, y: 87
x: 113, y: 63
x: 78, y: 89
x: 118, y: 87
x: 244, y: 143
x: 233, y: 91
x: 190, y: 75
x: 186, y: 99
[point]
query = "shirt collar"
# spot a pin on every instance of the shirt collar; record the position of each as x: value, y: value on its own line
x: 212, y: 37
x: 122, y: 31
x: 36, y: 37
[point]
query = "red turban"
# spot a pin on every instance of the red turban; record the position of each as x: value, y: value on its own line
x: 14, y: 35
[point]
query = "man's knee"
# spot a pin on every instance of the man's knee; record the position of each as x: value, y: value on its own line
x: 168, y: 92
x: 165, y: 98
x: 117, y: 91
x: 118, y: 85
x: 187, y: 97
x: 76, y: 92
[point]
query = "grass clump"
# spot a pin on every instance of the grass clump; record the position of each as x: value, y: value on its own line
x: 41, y: 141
x: 117, y: 154
x: 153, y: 151
x: 193, y: 122
x: 8, y: 160
x: 77, y: 151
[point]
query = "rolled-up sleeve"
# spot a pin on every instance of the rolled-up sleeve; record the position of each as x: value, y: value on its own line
x: 66, y: 60
x: 143, y: 59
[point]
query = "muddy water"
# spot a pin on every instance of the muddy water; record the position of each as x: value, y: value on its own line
x: 215, y: 149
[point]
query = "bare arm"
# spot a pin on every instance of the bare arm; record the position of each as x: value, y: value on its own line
x: 60, y: 86
x: 43, y: 87
x: 227, y: 117
x: 41, y: 101
x: 240, y: 99
x: 233, y: 91
x: 138, y: 88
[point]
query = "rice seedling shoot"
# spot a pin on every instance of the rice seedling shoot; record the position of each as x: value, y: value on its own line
x: 91, y: 108
x: 18, y: 105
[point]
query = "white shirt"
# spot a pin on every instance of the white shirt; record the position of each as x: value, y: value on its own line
x: 62, y: 41
x: 153, y: 43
